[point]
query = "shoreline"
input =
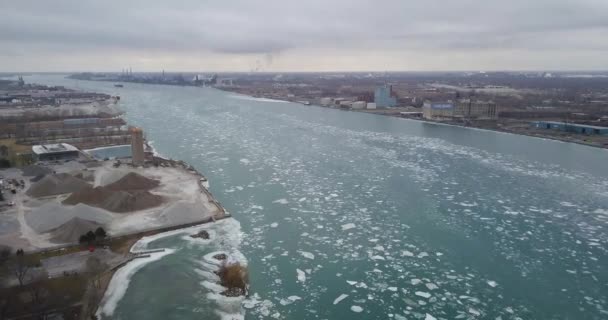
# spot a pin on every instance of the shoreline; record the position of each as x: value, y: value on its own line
x: 276, y: 99
x: 127, y: 249
x: 541, y: 136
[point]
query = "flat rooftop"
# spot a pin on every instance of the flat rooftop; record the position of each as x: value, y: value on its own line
x: 572, y: 124
x: 53, y: 148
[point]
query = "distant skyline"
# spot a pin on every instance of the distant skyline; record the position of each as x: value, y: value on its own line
x: 312, y: 35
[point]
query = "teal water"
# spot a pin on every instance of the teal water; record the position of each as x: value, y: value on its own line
x: 411, y: 220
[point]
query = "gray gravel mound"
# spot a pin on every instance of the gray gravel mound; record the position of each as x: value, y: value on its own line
x: 52, y: 215
x: 55, y: 184
x: 71, y: 231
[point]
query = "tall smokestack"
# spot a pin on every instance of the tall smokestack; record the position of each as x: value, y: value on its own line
x: 137, y: 146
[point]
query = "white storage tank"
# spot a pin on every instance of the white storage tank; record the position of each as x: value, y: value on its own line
x: 371, y: 105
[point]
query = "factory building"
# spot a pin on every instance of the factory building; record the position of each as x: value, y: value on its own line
x: 384, y: 97
x: 54, y: 152
x: 359, y: 105
x: 466, y: 108
x: 137, y: 146
x: 571, y: 127
x: 462, y: 109
x: 437, y: 110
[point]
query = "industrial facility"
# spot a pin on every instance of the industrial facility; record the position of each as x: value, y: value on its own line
x: 438, y: 110
x: 571, y: 127
x: 462, y: 109
x: 54, y: 152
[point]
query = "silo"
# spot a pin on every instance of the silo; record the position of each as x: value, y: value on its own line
x: 137, y: 146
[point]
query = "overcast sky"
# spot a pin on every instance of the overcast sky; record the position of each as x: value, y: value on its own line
x: 307, y: 35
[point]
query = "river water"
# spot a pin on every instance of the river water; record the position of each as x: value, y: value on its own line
x: 399, y: 219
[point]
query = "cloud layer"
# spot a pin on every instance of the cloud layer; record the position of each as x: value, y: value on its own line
x: 303, y: 35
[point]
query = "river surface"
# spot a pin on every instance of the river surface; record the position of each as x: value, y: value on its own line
x: 345, y: 215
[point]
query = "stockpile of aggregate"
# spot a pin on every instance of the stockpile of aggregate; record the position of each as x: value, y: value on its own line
x: 133, y: 181
x: 34, y: 170
x: 128, y: 194
x: 55, y: 184
x: 53, y: 214
x: 72, y: 230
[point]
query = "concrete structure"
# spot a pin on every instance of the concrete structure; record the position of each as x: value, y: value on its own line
x: 571, y: 127
x: 137, y: 146
x: 437, y: 110
x: 385, y: 97
x: 371, y: 105
x: 359, y: 105
x: 52, y: 152
x: 478, y: 109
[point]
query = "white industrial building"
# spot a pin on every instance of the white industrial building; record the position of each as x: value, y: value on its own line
x: 52, y: 152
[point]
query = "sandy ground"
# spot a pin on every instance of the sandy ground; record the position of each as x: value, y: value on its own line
x: 26, y: 225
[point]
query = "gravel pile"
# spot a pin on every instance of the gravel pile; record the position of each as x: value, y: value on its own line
x: 52, y: 215
x: 72, y: 230
x: 133, y: 181
x: 55, y: 184
x: 34, y: 170
x: 115, y: 201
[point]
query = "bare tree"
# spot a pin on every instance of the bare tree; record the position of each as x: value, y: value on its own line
x: 21, y: 266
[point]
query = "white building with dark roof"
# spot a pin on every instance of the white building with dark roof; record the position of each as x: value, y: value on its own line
x: 59, y: 151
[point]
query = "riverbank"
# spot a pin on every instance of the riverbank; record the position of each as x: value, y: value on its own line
x: 505, y: 125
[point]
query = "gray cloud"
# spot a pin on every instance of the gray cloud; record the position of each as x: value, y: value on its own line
x: 265, y: 28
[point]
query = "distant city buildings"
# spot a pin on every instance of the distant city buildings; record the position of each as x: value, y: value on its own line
x: 437, y: 110
x: 462, y: 109
x: 384, y: 97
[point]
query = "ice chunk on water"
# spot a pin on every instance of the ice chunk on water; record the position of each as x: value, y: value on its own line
x: 423, y: 254
x: 351, y: 282
x: 307, y: 255
x: 431, y: 286
x: 416, y: 281
x: 429, y: 317
x: 423, y: 294
x: 348, y: 226
x: 356, y: 309
x: 245, y: 161
x: 340, y: 298
x: 301, y: 275
x: 474, y: 312
x: 406, y: 253
x: 492, y: 283
x: 281, y: 201
x: 393, y: 289
x: 274, y: 225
